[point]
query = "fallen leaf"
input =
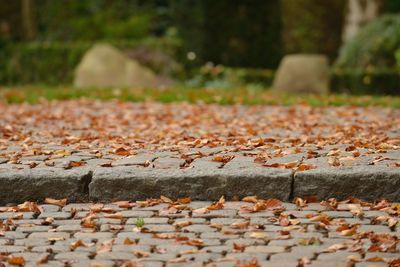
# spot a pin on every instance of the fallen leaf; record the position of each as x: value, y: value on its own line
x: 122, y: 152
x: 58, y: 202
x: 166, y: 200
x: 252, y: 199
x: 240, y: 225
x: 128, y: 241
x: 184, y: 200
x: 16, y: 260
x: 182, y: 224
x: 76, y: 244
x: 47, y: 221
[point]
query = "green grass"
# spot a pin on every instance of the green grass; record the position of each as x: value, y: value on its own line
x: 139, y: 222
x: 244, y: 95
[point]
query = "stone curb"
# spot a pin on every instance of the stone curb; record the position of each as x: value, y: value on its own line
x: 133, y: 182
x: 200, y: 184
x: 366, y: 182
x: 39, y: 183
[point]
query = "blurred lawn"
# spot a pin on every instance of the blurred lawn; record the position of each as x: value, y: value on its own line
x: 245, y: 95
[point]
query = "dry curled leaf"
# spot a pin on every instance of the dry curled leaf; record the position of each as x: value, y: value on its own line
x: 58, y: 202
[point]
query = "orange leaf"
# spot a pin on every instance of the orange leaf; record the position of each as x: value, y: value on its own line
x: 58, y: 202
x: 17, y: 260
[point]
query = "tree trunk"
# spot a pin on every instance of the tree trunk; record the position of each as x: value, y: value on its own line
x: 28, y: 20
x: 359, y: 13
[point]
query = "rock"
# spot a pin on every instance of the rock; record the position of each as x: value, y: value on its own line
x: 105, y: 66
x: 303, y: 73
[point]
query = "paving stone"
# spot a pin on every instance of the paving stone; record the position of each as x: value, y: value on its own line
x: 29, y: 256
x: 91, y: 236
x: 33, y: 228
x: 264, y: 249
x: 53, y: 248
x: 115, y: 256
x: 50, y: 208
x: 31, y: 242
x: 198, y: 228
x: 374, y: 228
x: 226, y: 221
x: 149, y: 221
x: 336, y: 255
x: 219, y: 245
x: 160, y: 228
x: 244, y: 242
x: 136, y: 214
x: 7, y: 215
x: 55, y: 215
x: 218, y: 236
x: 72, y: 255
x: 50, y: 235
x: 12, y: 249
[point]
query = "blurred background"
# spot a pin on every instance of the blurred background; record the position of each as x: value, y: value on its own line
x: 346, y: 46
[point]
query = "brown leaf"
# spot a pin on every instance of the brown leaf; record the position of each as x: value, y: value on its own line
x: 182, y: 224
x: 240, y: 225
x: 217, y: 205
x: 16, y: 260
x: 124, y: 204
x: 223, y: 159
x: 76, y: 244
x: 43, y: 260
x: 304, y: 167
x: 252, y: 199
x: 166, y: 200
x: 47, y: 221
x: 73, y: 164
x: 165, y: 235
x: 58, y: 202
x: 184, y: 200
x: 194, y: 242
x: 117, y: 215
x: 122, y: 152
x: 88, y: 221
x: 128, y: 241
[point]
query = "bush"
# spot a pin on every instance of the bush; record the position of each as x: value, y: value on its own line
x: 386, y: 81
x: 54, y: 63
x: 218, y: 76
x: 373, y: 47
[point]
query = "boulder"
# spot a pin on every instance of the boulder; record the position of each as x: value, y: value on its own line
x: 303, y: 73
x: 105, y: 66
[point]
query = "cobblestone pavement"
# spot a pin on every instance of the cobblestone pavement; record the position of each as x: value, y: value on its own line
x: 163, y: 232
x: 108, y: 150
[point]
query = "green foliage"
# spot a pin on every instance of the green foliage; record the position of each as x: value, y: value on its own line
x: 54, y: 62
x: 49, y: 63
x: 95, y: 19
x: 218, y: 76
x: 312, y: 26
x: 369, y: 63
x: 373, y: 47
x: 366, y: 82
